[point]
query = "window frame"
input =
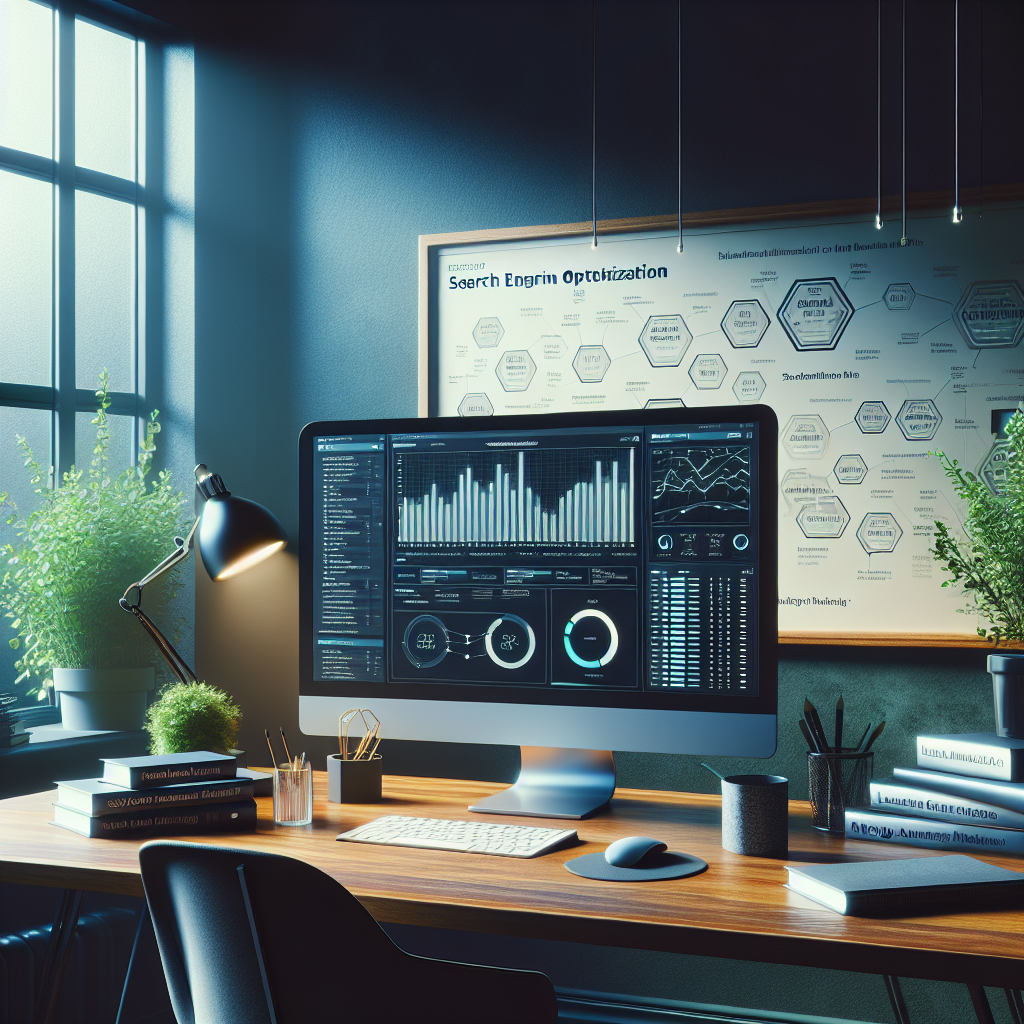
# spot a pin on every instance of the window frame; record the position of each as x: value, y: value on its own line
x: 62, y: 398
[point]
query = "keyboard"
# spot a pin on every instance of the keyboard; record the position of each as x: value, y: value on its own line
x: 459, y: 836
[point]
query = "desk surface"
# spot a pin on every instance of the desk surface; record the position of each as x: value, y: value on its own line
x: 738, y: 908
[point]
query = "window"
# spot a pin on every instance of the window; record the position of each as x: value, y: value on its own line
x: 72, y: 240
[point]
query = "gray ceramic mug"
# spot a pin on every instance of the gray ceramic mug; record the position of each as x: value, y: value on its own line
x: 755, y: 815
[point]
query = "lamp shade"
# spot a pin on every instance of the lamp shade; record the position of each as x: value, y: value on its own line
x: 236, y: 534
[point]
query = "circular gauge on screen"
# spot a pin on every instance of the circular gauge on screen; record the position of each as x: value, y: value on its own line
x: 591, y: 638
x: 426, y: 641
x: 510, y: 641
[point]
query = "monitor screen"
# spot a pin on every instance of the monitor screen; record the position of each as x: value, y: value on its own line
x: 604, y: 560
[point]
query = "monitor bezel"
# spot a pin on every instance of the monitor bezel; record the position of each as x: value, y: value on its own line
x: 766, y: 700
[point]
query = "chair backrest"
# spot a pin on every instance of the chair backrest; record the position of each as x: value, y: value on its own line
x: 255, y: 937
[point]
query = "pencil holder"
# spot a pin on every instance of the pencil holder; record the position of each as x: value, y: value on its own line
x: 353, y: 782
x: 837, y: 781
x: 293, y: 796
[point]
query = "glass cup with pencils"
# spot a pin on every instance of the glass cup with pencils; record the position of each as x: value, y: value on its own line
x: 293, y: 787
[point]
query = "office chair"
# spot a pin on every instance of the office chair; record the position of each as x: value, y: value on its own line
x: 256, y: 938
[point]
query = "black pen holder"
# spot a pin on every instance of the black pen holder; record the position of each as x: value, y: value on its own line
x: 353, y: 782
x: 836, y: 781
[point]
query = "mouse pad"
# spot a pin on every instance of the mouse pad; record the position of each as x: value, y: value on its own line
x: 657, y: 867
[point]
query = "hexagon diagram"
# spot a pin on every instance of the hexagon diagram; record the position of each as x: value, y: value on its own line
x: 805, y: 437
x: 879, y: 533
x: 799, y: 487
x: 993, y: 467
x: 516, y: 370
x: 990, y: 314
x: 488, y: 332
x: 664, y: 403
x: 591, y: 363
x: 665, y: 340
x: 708, y: 371
x: 815, y: 313
x: 919, y: 419
x: 899, y: 296
x: 872, y: 417
x: 748, y: 386
x: 825, y: 518
x: 850, y: 469
x: 476, y: 405
x: 744, y: 323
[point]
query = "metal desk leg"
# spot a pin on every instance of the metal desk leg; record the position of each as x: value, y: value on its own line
x: 1016, y: 1003
x: 62, y: 934
x: 981, y: 1007
x: 899, y: 1006
x: 144, y: 996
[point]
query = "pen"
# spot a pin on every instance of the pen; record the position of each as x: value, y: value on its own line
x: 273, y: 759
x: 814, y: 724
x: 284, y: 740
x: 874, y: 736
x: 839, y: 725
x: 860, y: 744
x: 811, y: 745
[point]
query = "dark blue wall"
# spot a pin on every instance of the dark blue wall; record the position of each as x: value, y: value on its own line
x: 329, y: 136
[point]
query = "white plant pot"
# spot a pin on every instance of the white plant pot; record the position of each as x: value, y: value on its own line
x: 103, y: 698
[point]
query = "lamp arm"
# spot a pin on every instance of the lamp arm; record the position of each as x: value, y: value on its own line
x: 182, y: 548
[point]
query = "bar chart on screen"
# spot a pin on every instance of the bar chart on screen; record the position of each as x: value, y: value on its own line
x: 547, y: 496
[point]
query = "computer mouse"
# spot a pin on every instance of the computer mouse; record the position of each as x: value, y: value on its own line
x: 629, y: 852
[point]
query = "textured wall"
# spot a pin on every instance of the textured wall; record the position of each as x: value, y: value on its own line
x: 328, y: 139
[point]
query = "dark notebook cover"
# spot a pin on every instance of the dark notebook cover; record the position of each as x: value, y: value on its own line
x: 96, y: 797
x: 892, y: 885
x: 213, y: 818
x: 167, y: 769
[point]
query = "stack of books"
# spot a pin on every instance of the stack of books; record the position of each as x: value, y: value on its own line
x: 966, y: 793
x: 194, y: 792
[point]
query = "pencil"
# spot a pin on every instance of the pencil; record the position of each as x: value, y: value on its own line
x: 839, y: 724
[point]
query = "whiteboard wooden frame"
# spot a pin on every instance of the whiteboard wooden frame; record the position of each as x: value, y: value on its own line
x: 920, y: 201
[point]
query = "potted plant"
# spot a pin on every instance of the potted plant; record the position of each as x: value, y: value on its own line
x: 987, y: 563
x: 192, y: 716
x: 72, y: 558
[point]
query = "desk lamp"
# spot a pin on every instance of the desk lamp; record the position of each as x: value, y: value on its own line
x: 234, y: 535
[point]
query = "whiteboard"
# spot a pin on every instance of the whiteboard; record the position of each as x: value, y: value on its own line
x: 871, y: 354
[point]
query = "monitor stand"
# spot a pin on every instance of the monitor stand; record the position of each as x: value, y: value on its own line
x: 556, y: 782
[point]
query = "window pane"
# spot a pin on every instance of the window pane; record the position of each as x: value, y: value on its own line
x: 104, y: 290
x: 104, y: 100
x: 26, y: 76
x: 119, y: 448
x: 26, y: 240
x: 34, y: 426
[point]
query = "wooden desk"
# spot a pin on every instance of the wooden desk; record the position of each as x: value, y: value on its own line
x: 737, y: 909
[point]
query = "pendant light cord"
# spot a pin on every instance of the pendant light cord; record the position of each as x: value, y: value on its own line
x: 903, y: 239
x: 593, y: 154
x: 878, y: 119
x: 981, y: 106
x: 957, y: 214
x: 679, y: 120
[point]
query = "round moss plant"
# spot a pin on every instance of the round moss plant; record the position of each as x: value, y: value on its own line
x: 192, y: 716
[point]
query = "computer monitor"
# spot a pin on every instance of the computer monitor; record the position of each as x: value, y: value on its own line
x: 573, y: 583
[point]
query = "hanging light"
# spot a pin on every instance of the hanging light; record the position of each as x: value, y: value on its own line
x: 958, y: 213
x: 878, y: 120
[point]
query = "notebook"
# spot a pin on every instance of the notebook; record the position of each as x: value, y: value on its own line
x: 875, y: 886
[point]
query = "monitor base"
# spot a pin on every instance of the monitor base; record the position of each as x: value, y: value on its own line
x: 556, y: 782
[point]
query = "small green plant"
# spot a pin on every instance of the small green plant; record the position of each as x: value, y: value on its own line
x: 93, y: 535
x: 988, y: 563
x: 192, y: 716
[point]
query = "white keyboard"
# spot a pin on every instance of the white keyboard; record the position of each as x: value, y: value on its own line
x: 459, y: 836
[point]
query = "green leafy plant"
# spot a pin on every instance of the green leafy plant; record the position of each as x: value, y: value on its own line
x: 192, y: 716
x: 988, y: 562
x: 93, y: 535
